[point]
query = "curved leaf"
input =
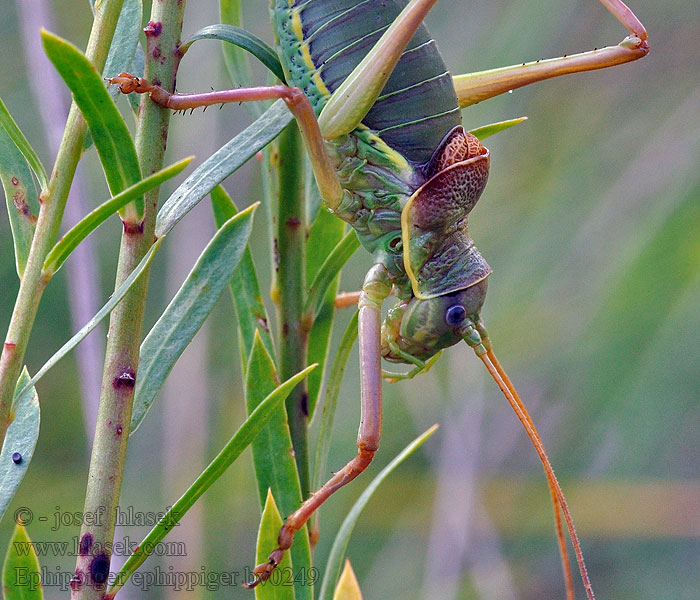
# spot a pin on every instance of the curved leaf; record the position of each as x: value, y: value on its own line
x: 107, y: 128
x: 21, y: 438
x: 243, y: 39
x: 221, y: 164
x: 340, y: 544
x: 187, y: 310
x: 21, y: 196
x: 237, y: 444
x: 21, y: 575
x: 94, y: 219
x: 270, y: 523
x: 15, y: 133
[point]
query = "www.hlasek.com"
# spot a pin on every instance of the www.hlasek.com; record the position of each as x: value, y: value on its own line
x: 167, y: 577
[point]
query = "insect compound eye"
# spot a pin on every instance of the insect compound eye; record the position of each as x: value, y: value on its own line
x: 455, y: 315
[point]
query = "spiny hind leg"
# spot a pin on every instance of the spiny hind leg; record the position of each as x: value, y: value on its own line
x: 475, y: 87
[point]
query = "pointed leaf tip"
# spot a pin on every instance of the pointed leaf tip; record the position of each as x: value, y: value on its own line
x: 348, y: 587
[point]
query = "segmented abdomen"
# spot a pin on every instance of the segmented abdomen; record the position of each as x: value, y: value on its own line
x: 322, y: 41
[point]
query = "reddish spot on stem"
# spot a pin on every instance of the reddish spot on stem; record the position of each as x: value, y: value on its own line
x: 293, y: 222
x: 153, y: 29
x: 15, y: 181
x: 119, y: 430
x: 85, y: 544
x: 285, y: 329
x: 132, y: 228
x: 10, y: 346
x: 76, y: 581
x: 125, y: 379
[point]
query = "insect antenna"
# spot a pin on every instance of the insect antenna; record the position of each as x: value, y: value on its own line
x: 559, y: 501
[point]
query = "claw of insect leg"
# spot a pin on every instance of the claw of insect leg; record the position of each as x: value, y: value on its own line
x: 263, y: 571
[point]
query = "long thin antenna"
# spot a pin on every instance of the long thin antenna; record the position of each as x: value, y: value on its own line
x: 503, y: 382
x: 561, y: 540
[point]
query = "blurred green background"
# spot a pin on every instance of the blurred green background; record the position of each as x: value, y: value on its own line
x: 591, y: 223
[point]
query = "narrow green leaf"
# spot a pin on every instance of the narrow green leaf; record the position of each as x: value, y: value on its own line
x: 326, y: 231
x: 21, y: 196
x: 124, y: 42
x: 270, y: 524
x: 488, y: 130
x: 237, y: 444
x: 273, y: 456
x: 245, y: 290
x: 221, y: 164
x: 70, y: 241
x: 114, y: 299
x: 348, y: 587
x: 15, y: 134
x: 329, y: 270
x: 209, y: 174
x: 107, y: 128
x: 21, y: 575
x: 243, y: 39
x: 331, y: 401
x: 20, y: 440
x: 187, y: 310
x: 340, y: 544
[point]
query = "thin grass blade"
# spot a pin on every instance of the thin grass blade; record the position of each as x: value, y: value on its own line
x: 488, y: 130
x: 20, y: 441
x: 15, y: 134
x: 237, y: 444
x: 114, y: 299
x: 188, y: 309
x: 21, y: 575
x: 70, y: 241
x: 340, y: 544
x: 245, y: 290
x: 269, y: 529
x: 21, y: 196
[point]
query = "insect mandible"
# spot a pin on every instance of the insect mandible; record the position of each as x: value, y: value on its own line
x: 380, y: 117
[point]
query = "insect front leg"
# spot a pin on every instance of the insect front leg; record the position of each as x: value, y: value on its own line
x: 375, y: 289
x: 475, y: 87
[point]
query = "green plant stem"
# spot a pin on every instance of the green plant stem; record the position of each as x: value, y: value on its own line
x: 290, y: 290
x: 122, y: 352
x: 49, y: 220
